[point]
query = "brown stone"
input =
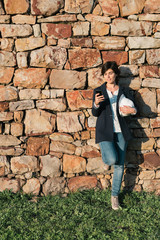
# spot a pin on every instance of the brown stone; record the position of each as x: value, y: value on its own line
x: 25, y: 44
x: 24, y: 164
x: 37, y: 146
x: 21, y: 105
x: 8, y: 94
x: 31, y: 77
x: 78, y: 6
x: 8, y: 140
x: 16, y: 6
x: 6, y: 75
x: 70, y: 121
x: 22, y: 59
x: 152, y: 6
x: 149, y: 71
x: 82, y: 42
x: 18, y: 116
x: 1, y: 8
x: 94, y: 18
x: 10, y: 184
x: 149, y: 17
x: 85, y: 135
x: 155, y: 122
x: 58, y: 104
x: 50, y: 166
x: 120, y: 57
x: 7, y: 59
x: 32, y: 186
x: 131, y: 82
x: 129, y: 7
x: 82, y: 183
x: 109, y: 43
x: 143, y: 42
x: 47, y: 7
x: 95, y: 77
x: 49, y: 57
x: 54, y: 186
x: 99, y: 28
x: 80, y: 99
x: 46, y: 122
x: 90, y: 152
x: 64, y: 147
x: 95, y: 165
x: 128, y: 70
x: 6, y: 116
x: 153, y: 56
x: 59, y: 18
x: 62, y: 137
x: 73, y: 164
x: 109, y: 7
x: 152, y: 186
x: 136, y: 56
x: 124, y: 27
x: 29, y: 94
x: 147, y: 175
x: 6, y: 44
x: 15, y: 30
x: 4, y: 166
x: 151, y: 161
x: 146, y: 102
x: 17, y: 129
x: 141, y: 144
x: 11, y: 151
x: 80, y: 29
x: 151, y: 83
x: 67, y: 79
x: 4, y: 18
x: 24, y: 19
x: 84, y: 58
x: 57, y: 30
x: 4, y: 106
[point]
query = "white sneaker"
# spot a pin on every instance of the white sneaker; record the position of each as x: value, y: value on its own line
x: 115, y: 203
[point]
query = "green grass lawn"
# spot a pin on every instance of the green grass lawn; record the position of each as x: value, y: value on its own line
x: 83, y: 215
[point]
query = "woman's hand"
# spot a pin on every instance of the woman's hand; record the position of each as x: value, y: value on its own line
x: 127, y: 110
x: 98, y: 98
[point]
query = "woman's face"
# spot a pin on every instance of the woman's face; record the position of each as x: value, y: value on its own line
x: 110, y: 76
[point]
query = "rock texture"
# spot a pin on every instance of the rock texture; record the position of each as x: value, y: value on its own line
x: 51, y: 53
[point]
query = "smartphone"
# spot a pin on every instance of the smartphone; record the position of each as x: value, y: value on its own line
x: 99, y: 91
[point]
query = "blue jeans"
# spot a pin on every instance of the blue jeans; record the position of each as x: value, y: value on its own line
x: 113, y: 153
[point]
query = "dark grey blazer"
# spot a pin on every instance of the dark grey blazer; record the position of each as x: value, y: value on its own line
x: 104, y: 124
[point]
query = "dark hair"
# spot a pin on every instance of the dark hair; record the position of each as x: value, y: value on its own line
x: 111, y: 65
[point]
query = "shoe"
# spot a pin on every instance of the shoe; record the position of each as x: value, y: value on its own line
x: 115, y: 203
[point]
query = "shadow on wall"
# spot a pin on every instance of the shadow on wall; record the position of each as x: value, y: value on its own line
x: 138, y: 125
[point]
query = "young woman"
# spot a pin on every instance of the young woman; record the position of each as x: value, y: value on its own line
x: 112, y: 132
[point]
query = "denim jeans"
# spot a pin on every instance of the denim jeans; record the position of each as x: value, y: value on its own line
x: 113, y: 153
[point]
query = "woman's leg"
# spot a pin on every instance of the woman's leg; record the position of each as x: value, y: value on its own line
x: 109, y: 153
x: 120, y: 145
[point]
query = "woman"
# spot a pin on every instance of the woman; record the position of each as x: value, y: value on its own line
x: 112, y: 132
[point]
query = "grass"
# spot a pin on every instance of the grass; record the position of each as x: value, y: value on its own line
x: 83, y: 215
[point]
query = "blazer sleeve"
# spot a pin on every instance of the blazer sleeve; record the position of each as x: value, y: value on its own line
x: 95, y: 111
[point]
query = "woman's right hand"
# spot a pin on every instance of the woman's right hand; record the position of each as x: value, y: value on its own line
x: 98, y: 98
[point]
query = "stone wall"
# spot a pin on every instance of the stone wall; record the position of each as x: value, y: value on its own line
x: 50, y: 58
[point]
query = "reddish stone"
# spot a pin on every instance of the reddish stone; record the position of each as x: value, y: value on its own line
x: 120, y: 57
x: 158, y: 95
x: 6, y: 75
x: 84, y: 58
x: 37, y: 146
x: 4, y: 106
x: 90, y: 152
x: 31, y: 77
x: 82, y: 42
x: 47, y: 7
x: 80, y: 99
x: 155, y: 123
x: 82, y: 183
x: 57, y: 30
x: 151, y: 161
x: 149, y: 71
x: 109, y: 7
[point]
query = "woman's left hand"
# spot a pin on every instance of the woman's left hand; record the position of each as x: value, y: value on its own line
x: 127, y: 110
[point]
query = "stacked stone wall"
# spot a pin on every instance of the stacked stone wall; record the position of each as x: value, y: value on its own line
x: 51, y: 54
